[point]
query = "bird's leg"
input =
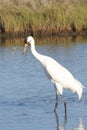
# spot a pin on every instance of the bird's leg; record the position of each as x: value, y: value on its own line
x: 65, y: 106
x: 56, y: 104
x: 57, y: 119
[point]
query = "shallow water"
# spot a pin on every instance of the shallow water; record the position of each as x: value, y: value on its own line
x: 27, y: 97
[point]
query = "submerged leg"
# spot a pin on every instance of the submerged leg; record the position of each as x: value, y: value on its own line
x: 57, y: 119
x: 65, y: 108
x: 56, y: 103
x: 58, y: 123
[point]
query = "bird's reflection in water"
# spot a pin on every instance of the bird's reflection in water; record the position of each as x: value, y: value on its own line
x: 57, y: 121
x: 81, y: 125
x: 62, y: 127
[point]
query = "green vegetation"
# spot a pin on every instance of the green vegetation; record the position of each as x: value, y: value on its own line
x: 46, y: 18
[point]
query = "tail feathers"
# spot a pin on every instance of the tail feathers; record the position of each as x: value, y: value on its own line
x: 80, y: 93
x: 79, y: 89
x: 76, y: 87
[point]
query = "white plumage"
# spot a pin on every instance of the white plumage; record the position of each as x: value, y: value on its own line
x: 61, y: 77
x: 58, y: 74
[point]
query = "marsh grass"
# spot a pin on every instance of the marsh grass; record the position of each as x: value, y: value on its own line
x: 42, y: 20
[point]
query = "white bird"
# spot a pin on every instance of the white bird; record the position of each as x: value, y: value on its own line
x: 56, y: 73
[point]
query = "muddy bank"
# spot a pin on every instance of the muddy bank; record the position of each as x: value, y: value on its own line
x: 45, y: 32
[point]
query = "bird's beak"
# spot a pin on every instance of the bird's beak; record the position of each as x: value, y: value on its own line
x: 25, y: 46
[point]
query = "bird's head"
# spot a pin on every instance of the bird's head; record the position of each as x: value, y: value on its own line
x: 28, y: 41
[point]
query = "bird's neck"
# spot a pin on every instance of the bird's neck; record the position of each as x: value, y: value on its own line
x: 35, y: 53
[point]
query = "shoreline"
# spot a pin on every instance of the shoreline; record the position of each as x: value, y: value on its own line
x: 40, y: 34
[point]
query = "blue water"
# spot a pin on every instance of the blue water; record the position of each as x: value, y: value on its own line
x: 27, y: 97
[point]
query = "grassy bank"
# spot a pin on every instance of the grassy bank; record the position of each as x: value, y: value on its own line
x: 51, y: 18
